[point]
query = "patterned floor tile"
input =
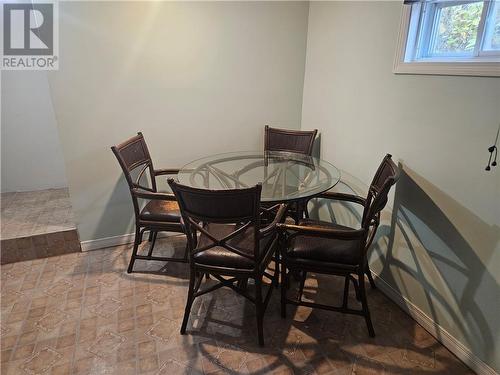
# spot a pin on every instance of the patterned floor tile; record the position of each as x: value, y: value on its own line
x: 35, y: 212
x: 60, y: 288
x: 163, y: 330
x: 159, y: 296
x: 174, y: 367
x: 106, y: 308
x: 41, y: 361
x: 107, y: 343
x: 81, y: 313
x: 51, y: 320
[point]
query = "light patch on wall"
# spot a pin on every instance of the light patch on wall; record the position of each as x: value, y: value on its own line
x: 188, y: 43
x: 136, y: 48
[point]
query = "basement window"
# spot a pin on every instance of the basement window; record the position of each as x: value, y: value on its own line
x: 449, y: 37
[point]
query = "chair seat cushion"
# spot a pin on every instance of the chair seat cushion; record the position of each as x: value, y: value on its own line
x: 161, y: 210
x: 220, y: 256
x: 321, y: 249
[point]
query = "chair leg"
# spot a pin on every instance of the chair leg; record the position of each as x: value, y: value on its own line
x: 302, y: 209
x: 190, y: 299
x: 346, y: 293
x: 299, y: 212
x: 152, y: 239
x: 356, y: 287
x: 259, y: 308
x: 284, y: 283
x: 276, y: 270
x: 370, y: 277
x: 242, y: 283
x: 137, y: 242
x: 296, y: 219
x: 306, y: 212
x: 302, y: 283
x: 364, y: 303
x: 186, y: 252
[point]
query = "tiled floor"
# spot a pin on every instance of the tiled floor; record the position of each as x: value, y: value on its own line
x: 37, y: 224
x: 35, y: 212
x: 81, y: 313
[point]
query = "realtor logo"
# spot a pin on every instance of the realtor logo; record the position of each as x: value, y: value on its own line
x: 29, y: 32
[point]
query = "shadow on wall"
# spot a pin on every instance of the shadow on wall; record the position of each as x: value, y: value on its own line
x: 117, y: 212
x: 442, y: 262
x: 434, y: 252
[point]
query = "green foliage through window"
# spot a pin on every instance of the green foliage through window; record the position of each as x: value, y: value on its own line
x: 456, y: 29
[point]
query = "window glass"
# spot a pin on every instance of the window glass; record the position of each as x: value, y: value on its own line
x: 455, y: 29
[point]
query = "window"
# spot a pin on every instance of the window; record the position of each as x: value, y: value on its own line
x: 449, y: 37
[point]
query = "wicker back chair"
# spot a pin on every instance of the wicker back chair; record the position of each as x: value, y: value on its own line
x: 226, y: 241
x: 298, y: 141
x: 287, y: 140
x: 334, y: 249
x: 161, y: 212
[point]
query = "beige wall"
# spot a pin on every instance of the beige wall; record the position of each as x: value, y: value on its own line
x: 196, y: 78
x: 440, y: 245
x: 31, y: 152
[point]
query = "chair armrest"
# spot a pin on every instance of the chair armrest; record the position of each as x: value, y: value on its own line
x: 140, y: 193
x: 338, y: 197
x: 277, y: 219
x: 320, y: 231
x: 343, y: 197
x: 163, y: 171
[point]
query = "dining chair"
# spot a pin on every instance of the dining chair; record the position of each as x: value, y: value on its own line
x: 334, y: 249
x: 227, y: 242
x: 154, y: 211
x: 298, y: 141
x: 287, y: 140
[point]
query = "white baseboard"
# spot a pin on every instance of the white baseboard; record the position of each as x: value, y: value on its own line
x: 443, y: 336
x: 102, y: 243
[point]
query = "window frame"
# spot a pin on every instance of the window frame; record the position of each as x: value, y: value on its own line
x: 484, y: 63
x: 492, y: 9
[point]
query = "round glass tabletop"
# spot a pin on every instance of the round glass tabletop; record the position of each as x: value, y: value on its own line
x: 284, y: 176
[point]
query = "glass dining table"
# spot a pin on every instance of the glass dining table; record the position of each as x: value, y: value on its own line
x: 285, y: 176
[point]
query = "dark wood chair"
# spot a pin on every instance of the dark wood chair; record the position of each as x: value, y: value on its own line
x: 333, y: 249
x: 226, y: 241
x: 161, y: 212
x: 298, y: 141
x: 287, y: 140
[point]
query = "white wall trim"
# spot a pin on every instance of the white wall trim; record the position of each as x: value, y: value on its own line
x: 477, y: 69
x: 123, y: 239
x: 101, y: 243
x: 442, y: 335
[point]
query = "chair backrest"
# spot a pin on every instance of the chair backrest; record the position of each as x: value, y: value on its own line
x: 299, y: 141
x: 200, y: 207
x: 133, y: 154
x: 386, y: 176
